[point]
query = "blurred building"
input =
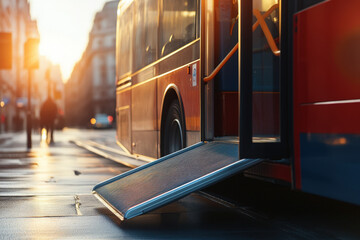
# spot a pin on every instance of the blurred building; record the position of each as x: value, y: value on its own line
x: 15, y: 19
x: 91, y: 87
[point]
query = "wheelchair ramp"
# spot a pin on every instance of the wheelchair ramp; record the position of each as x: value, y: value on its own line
x: 170, y: 178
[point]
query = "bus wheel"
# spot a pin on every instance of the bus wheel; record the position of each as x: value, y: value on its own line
x: 174, y: 132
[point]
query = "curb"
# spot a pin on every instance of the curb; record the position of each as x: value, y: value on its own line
x: 126, y: 160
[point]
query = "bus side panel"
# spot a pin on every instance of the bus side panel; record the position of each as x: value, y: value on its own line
x: 187, y: 83
x: 328, y: 36
x: 326, y: 100
x: 226, y: 117
x: 144, y: 119
x: 329, y: 150
x: 123, y: 119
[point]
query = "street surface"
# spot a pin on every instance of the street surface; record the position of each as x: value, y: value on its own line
x: 46, y: 194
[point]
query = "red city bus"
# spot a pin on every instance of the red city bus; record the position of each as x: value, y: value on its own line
x: 158, y: 83
x: 282, y: 109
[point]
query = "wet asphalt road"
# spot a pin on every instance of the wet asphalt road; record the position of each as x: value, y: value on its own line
x: 46, y: 194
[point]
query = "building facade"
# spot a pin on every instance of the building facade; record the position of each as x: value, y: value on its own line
x: 91, y: 87
x: 15, y: 18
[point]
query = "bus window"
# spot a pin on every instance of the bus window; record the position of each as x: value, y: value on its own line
x: 266, y: 71
x: 145, y: 33
x: 151, y: 30
x: 125, y: 23
x: 178, y: 25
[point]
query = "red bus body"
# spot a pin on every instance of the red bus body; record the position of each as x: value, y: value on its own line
x: 326, y: 100
x: 320, y: 133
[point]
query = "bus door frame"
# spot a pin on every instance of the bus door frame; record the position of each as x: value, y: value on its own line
x: 207, y: 33
x: 247, y: 148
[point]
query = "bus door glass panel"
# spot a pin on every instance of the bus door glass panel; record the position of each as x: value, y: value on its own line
x: 265, y: 71
x: 145, y: 33
x: 178, y: 25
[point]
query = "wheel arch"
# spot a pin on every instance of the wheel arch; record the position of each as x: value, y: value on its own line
x: 171, y: 93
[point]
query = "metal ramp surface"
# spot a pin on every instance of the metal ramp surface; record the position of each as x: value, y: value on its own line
x: 170, y: 178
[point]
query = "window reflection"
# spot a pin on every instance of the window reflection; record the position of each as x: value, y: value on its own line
x: 266, y: 72
x: 264, y: 5
x: 145, y: 33
x: 124, y: 34
x: 178, y: 25
x: 142, y: 39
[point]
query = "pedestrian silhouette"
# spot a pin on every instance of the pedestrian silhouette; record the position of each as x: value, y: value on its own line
x: 48, y: 114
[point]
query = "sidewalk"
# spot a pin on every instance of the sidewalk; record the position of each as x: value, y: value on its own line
x: 5, y: 137
x: 16, y: 141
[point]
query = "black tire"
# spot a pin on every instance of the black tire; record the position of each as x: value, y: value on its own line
x: 174, y: 129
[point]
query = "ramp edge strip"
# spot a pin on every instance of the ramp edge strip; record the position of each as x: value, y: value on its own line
x: 109, y: 206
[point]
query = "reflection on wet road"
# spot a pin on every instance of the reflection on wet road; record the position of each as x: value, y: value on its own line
x: 46, y: 194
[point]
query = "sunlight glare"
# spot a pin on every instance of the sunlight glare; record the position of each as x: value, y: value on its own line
x: 64, y: 29
x: 43, y: 135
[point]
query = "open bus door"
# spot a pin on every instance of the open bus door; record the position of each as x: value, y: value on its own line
x: 263, y: 79
x: 178, y: 174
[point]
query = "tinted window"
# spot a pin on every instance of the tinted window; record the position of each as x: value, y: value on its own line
x: 178, y: 25
x: 151, y: 30
x: 124, y: 34
x: 145, y: 33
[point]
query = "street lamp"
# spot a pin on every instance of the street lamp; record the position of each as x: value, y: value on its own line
x: 31, y: 61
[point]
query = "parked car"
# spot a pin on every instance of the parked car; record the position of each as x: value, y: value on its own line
x: 101, y: 120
